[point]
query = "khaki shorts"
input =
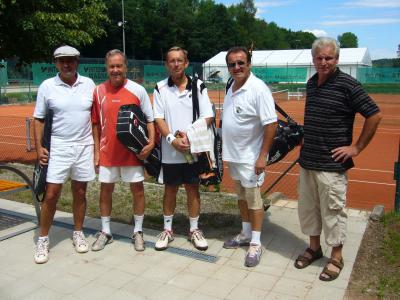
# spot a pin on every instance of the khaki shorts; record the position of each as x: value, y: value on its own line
x: 322, y: 200
x: 251, y: 195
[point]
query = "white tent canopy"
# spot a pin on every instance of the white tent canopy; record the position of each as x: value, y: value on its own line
x: 349, y: 60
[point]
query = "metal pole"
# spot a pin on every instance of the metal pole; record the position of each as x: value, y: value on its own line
x: 397, y: 178
x: 267, y: 205
x: 123, y: 27
x: 28, y: 134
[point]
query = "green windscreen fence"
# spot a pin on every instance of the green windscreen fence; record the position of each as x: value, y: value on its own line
x: 154, y: 73
x: 144, y: 74
x: 273, y: 75
x: 378, y: 75
x: 3, y: 73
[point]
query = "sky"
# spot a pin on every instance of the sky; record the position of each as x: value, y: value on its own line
x: 375, y: 23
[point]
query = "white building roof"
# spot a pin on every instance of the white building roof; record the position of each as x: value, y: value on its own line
x: 298, y: 57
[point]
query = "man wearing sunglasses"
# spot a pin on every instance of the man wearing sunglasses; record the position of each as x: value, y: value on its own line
x: 249, y: 126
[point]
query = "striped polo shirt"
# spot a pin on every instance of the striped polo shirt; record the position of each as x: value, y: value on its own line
x: 329, y: 117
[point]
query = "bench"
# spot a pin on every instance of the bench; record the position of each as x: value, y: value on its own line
x: 8, y: 187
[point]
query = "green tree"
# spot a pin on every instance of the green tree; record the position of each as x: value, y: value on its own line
x: 31, y: 29
x: 348, y: 40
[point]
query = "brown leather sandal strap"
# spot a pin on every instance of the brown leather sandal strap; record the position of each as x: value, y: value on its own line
x: 331, y: 274
x: 314, y: 254
x: 337, y: 263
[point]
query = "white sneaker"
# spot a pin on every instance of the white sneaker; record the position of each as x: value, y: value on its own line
x: 198, y: 240
x: 80, y: 242
x: 164, y: 238
x: 42, y: 251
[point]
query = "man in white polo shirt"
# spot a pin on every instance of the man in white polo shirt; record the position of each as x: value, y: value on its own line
x: 173, y: 112
x: 69, y: 95
x: 248, y: 130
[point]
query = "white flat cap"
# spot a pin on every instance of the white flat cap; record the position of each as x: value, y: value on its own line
x: 66, y: 51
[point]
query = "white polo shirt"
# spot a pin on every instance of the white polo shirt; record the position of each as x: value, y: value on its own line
x: 176, y: 108
x: 71, y: 106
x: 246, y: 112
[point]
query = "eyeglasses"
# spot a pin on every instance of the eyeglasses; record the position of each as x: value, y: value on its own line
x: 233, y: 64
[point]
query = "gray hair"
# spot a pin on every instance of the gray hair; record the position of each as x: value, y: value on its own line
x: 116, y: 52
x: 324, y: 42
x: 177, y: 48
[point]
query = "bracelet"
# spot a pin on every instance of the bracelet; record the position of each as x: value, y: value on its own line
x: 170, y: 138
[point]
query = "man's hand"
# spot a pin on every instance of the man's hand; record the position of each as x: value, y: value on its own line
x: 181, y: 144
x: 341, y: 154
x: 260, y: 165
x: 145, y: 151
x: 43, y: 156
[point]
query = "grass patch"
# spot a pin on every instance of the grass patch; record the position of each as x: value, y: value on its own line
x: 376, y: 272
x: 219, y: 213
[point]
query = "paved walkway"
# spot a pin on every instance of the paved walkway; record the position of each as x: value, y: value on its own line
x: 179, y: 273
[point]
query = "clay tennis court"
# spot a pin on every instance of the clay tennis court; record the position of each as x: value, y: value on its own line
x: 371, y: 182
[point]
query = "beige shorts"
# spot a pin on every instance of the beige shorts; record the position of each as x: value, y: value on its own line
x: 251, y: 195
x: 322, y: 200
x: 125, y: 174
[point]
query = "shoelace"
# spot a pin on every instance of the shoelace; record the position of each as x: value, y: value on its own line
x: 79, y: 239
x: 163, y: 235
x: 197, y: 234
x: 41, y: 249
x: 253, y: 251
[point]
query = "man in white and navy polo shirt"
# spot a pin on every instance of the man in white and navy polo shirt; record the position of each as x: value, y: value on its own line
x: 173, y: 112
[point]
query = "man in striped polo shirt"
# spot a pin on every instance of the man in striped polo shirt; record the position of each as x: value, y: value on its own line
x: 333, y: 99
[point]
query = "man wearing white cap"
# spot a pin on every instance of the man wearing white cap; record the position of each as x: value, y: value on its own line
x: 69, y: 95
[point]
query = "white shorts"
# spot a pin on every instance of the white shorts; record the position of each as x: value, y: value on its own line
x: 125, y: 174
x: 245, y: 173
x: 75, y: 162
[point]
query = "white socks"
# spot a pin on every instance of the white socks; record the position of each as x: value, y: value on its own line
x: 138, y: 223
x: 105, y: 224
x: 43, y: 238
x: 168, y: 222
x: 255, y: 237
x: 246, y: 229
x: 194, y: 223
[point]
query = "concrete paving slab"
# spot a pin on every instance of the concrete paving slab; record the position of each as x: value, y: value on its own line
x: 181, y: 272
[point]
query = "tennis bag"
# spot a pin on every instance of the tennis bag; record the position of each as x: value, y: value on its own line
x: 40, y: 172
x: 289, y: 134
x: 132, y: 133
x: 210, y: 174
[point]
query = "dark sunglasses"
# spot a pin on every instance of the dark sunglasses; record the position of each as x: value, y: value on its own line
x: 233, y: 64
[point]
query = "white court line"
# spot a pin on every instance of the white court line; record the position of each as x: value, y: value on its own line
x: 13, y: 136
x: 353, y: 180
x: 13, y: 144
x: 372, y: 170
x: 354, y: 169
x: 372, y: 182
x: 15, y: 126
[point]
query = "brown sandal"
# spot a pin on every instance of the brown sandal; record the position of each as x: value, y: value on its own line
x: 306, y: 261
x: 332, y: 275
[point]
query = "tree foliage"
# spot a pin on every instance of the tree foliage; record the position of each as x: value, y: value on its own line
x: 387, y: 62
x: 31, y: 29
x: 203, y: 27
x: 348, y: 40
